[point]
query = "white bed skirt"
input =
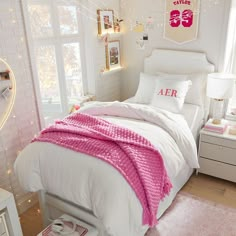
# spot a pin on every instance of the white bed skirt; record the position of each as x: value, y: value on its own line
x: 53, y: 206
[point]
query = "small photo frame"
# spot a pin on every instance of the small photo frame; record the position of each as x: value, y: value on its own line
x: 113, y: 55
x: 105, y: 21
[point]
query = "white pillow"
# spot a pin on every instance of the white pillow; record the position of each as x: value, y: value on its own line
x: 197, y: 93
x: 145, y: 88
x: 170, y: 94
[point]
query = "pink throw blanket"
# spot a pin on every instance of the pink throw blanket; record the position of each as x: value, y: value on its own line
x: 131, y: 154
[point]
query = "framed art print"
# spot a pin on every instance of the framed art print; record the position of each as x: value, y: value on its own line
x: 105, y: 21
x: 113, y: 55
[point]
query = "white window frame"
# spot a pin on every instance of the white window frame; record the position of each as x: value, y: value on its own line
x: 57, y: 41
x: 230, y: 62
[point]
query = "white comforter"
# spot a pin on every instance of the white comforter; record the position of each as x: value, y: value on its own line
x: 94, y: 184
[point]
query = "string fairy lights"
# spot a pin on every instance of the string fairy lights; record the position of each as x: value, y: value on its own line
x: 87, y: 10
x: 12, y: 140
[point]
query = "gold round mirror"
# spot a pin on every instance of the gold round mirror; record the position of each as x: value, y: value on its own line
x: 7, y: 91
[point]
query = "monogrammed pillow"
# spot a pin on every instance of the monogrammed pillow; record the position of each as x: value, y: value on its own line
x: 197, y: 93
x: 170, y: 94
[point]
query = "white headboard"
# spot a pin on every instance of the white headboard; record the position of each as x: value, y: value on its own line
x: 178, y: 62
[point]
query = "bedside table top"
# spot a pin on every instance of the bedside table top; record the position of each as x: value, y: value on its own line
x: 4, y: 194
x: 225, y: 135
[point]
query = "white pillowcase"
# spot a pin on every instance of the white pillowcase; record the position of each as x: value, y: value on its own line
x: 197, y: 93
x: 146, y: 88
x: 170, y: 94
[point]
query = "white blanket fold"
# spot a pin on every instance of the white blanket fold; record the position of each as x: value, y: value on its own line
x: 172, y: 123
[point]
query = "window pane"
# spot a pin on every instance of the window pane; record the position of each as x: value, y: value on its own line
x: 68, y: 19
x: 232, y: 101
x: 40, y: 21
x: 73, y: 72
x: 48, y: 79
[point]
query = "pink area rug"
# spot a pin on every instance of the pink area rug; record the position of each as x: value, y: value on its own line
x: 193, y: 216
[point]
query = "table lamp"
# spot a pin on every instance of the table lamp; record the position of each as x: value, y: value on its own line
x: 220, y: 86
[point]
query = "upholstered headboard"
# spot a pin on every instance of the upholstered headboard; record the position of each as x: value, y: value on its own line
x: 178, y: 62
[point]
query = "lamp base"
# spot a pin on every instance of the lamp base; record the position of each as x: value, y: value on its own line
x: 218, y: 111
x: 216, y: 121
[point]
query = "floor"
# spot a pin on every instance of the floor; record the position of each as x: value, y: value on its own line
x: 213, y: 189
x: 204, y: 186
x: 31, y: 221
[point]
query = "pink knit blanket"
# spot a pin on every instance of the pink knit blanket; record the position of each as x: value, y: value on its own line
x: 131, y: 154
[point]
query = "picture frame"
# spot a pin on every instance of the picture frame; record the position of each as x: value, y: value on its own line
x: 105, y: 21
x: 113, y: 55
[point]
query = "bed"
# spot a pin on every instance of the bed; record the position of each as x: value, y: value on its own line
x: 84, y: 191
x: 193, y: 114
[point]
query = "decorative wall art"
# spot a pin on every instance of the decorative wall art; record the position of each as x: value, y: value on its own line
x: 150, y: 23
x: 181, y: 20
x: 139, y: 27
x: 113, y: 55
x: 117, y: 24
x: 105, y: 21
x: 140, y: 44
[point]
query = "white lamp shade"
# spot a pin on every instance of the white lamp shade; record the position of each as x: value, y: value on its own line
x: 220, y: 85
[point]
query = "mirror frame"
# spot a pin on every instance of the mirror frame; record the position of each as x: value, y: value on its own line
x: 5, y: 116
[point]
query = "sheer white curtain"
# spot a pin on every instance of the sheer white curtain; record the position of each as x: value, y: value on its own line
x: 230, y: 59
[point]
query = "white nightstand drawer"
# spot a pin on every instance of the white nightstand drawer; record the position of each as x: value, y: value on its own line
x: 217, y: 169
x: 3, y: 225
x: 218, y: 153
x: 8, y: 207
x: 219, y: 141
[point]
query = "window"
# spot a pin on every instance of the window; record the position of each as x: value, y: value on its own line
x: 55, y: 30
x: 230, y: 62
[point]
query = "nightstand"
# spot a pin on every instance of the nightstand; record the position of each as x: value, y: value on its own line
x: 9, y: 221
x: 217, y: 154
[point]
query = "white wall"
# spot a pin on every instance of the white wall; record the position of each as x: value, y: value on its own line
x: 23, y: 122
x: 105, y: 88
x: 211, y: 36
